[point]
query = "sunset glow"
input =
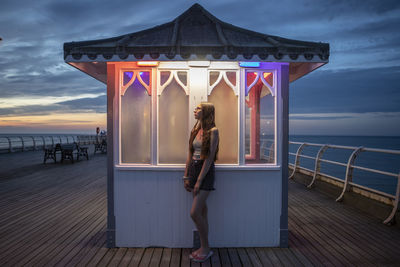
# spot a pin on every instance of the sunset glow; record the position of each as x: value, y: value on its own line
x: 65, y: 123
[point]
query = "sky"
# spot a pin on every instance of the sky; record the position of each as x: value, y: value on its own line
x: 356, y: 93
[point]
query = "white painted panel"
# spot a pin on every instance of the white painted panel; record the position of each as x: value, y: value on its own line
x: 152, y: 209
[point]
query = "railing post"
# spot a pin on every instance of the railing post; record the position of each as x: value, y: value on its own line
x: 52, y: 141
x: 390, y: 220
x: 9, y: 144
x: 44, y: 142
x: 349, y: 172
x: 318, y: 164
x: 34, y: 142
x: 23, y: 144
x: 297, y: 160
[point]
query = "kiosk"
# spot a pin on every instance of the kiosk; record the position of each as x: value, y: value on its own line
x: 155, y: 78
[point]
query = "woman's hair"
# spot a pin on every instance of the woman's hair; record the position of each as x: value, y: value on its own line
x: 207, y: 121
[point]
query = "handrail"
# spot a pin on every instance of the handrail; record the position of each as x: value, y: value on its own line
x: 318, y: 164
x: 349, y: 172
x: 14, y: 143
x: 350, y: 166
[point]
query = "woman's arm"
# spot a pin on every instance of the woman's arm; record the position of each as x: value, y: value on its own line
x: 186, y: 182
x: 189, y: 157
x: 214, y: 140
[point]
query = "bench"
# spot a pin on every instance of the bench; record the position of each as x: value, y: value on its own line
x: 50, y: 152
x: 68, y: 150
x: 100, y: 146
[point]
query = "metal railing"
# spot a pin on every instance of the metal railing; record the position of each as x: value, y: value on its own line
x: 347, y: 182
x: 15, y: 143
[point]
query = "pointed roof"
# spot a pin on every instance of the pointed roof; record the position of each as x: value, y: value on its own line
x: 196, y: 35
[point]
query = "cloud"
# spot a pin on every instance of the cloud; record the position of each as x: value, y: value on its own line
x: 362, y: 76
x: 359, y: 91
x: 355, y: 124
x: 82, y: 105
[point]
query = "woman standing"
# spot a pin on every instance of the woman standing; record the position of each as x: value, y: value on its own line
x: 199, y: 173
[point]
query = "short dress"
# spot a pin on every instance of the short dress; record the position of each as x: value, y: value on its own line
x: 195, y: 166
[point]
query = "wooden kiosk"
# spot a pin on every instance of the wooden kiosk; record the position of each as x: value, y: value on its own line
x: 154, y: 79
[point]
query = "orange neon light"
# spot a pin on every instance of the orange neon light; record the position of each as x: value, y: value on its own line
x: 147, y: 63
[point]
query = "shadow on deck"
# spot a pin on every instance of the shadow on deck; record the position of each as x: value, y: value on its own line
x: 55, y: 215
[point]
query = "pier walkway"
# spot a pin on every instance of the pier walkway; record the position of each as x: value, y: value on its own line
x: 55, y: 215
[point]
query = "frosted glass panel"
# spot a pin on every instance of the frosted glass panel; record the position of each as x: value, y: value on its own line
x: 127, y: 76
x: 260, y: 121
x: 182, y: 75
x: 135, y: 124
x: 145, y: 76
x: 226, y: 119
x: 213, y: 77
x: 231, y: 77
x: 164, y: 75
x: 173, y: 124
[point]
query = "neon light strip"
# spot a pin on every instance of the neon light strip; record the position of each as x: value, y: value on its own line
x: 147, y: 63
x: 249, y: 64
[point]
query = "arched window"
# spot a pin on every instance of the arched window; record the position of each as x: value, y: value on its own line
x: 224, y: 96
x: 260, y: 117
x: 135, y: 117
x: 173, y: 105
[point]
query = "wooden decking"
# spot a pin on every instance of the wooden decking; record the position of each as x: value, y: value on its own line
x: 55, y: 215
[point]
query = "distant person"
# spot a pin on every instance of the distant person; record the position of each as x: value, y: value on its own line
x: 200, y: 173
x: 97, y: 135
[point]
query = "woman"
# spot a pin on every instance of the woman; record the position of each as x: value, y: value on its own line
x: 199, y: 172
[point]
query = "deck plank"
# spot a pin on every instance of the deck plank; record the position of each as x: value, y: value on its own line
x: 166, y: 257
x: 273, y: 257
x: 43, y: 223
x: 215, y: 259
x: 176, y: 256
x: 156, y: 257
x: 255, y: 260
x: 137, y: 258
x: 37, y: 243
x: 265, y: 261
x: 224, y: 257
x: 341, y: 239
x: 148, y: 252
x: 363, y: 245
x: 127, y: 257
x: 244, y: 258
x: 234, y: 257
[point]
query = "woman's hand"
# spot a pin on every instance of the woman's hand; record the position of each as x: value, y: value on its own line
x: 186, y: 184
x: 196, y: 188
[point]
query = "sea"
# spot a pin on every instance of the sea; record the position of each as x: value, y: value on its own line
x: 374, y: 160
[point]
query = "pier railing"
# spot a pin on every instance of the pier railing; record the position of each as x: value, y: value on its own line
x: 346, y: 182
x: 14, y: 143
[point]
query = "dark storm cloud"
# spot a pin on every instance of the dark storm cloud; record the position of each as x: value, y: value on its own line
x: 347, y: 91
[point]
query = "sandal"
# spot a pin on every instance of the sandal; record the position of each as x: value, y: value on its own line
x: 202, y: 258
x: 192, y: 255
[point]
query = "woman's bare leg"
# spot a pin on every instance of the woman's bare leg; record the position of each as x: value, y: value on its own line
x: 200, y: 218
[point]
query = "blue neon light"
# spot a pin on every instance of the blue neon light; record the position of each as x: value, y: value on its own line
x: 249, y: 64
